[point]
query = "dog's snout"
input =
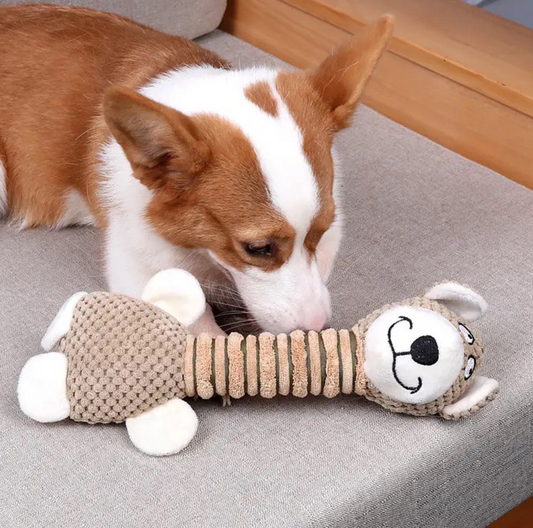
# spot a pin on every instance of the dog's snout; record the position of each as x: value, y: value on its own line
x: 314, y: 311
x: 316, y: 320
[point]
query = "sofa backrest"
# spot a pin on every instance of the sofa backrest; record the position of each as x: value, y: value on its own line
x: 188, y: 18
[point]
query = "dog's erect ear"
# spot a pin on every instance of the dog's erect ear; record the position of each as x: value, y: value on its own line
x: 481, y: 391
x: 463, y: 301
x: 178, y: 293
x: 341, y: 78
x: 160, y: 140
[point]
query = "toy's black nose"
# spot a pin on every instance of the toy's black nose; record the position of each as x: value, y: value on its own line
x: 425, y: 351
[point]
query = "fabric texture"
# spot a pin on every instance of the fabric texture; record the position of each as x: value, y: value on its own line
x: 187, y: 18
x: 226, y: 360
x: 415, y: 214
x: 125, y: 357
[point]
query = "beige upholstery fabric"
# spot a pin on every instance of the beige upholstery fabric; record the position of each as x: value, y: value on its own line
x: 188, y: 18
x: 415, y: 214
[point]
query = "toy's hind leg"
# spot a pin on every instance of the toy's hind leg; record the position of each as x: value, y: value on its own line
x: 165, y: 430
x: 42, y: 387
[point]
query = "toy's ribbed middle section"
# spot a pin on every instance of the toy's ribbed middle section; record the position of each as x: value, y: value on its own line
x: 298, y: 364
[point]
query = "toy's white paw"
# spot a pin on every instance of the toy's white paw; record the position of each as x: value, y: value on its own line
x: 165, y: 430
x: 42, y: 388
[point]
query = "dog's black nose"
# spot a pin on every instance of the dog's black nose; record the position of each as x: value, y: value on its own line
x: 425, y: 351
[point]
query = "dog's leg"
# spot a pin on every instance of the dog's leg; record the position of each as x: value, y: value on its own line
x: 126, y: 271
x: 125, y: 274
x: 128, y: 274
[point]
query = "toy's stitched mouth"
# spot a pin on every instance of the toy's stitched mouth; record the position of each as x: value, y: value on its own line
x: 395, y: 355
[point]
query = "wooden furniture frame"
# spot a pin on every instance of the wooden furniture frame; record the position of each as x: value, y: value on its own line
x: 453, y: 73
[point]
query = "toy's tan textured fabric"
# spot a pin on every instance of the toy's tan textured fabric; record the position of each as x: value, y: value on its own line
x: 124, y: 357
x: 451, y: 395
x: 415, y: 213
x: 327, y: 360
x: 327, y: 363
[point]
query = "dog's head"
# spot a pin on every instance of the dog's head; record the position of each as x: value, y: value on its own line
x: 239, y: 164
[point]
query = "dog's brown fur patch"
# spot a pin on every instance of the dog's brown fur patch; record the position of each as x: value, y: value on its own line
x: 261, y: 95
x: 322, y: 102
x: 201, y: 211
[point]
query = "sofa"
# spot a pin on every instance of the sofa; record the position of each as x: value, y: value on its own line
x: 415, y: 214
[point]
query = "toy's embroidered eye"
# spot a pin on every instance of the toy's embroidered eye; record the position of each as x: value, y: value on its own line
x: 470, y: 367
x: 469, y: 337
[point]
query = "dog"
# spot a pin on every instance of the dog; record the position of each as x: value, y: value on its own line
x: 182, y: 160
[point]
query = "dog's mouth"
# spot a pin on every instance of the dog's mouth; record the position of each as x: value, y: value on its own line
x: 230, y: 311
x: 243, y: 323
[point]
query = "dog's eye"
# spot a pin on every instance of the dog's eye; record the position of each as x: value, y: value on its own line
x: 261, y: 248
x: 469, y: 338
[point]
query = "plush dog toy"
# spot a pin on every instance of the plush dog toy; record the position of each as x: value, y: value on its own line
x: 112, y: 358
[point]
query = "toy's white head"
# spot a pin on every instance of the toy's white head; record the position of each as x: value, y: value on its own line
x: 239, y: 166
x: 417, y: 352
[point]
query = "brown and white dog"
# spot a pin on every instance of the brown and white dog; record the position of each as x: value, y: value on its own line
x: 182, y: 160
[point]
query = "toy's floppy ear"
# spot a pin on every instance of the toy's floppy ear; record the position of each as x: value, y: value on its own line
x: 466, y: 303
x: 178, y: 293
x: 480, y: 392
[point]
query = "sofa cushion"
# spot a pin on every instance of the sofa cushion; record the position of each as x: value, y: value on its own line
x: 415, y: 213
x: 187, y: 18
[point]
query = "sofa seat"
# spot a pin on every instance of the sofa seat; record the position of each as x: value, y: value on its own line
x: 415, y: 214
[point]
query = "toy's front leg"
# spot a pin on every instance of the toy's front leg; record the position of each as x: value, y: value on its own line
x: 180, y: 294
x: 165, y: 430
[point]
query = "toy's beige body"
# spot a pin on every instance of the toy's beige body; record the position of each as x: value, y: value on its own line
x: 120, y: 359
x: 125, y: 357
